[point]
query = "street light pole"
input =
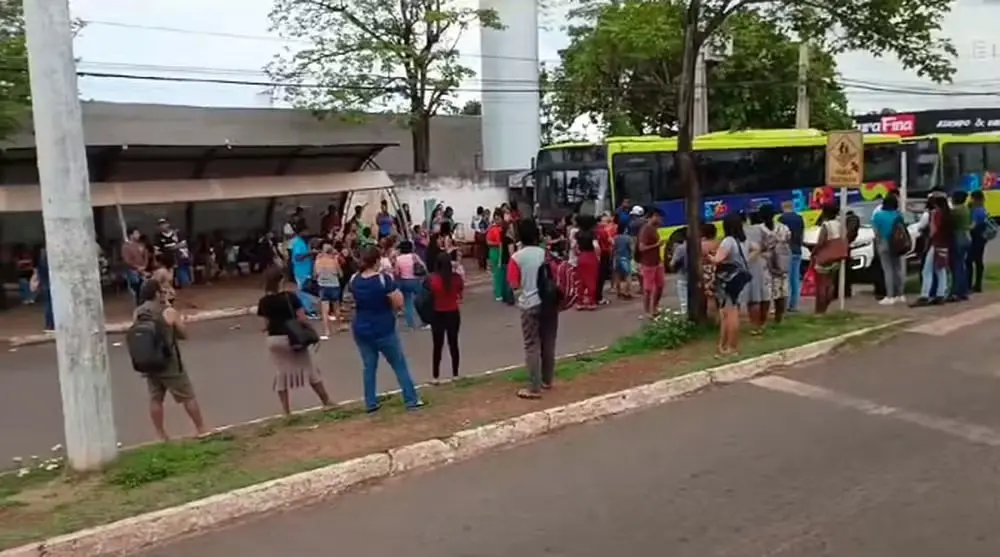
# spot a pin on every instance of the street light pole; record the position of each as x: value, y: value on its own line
x: 81, y: 342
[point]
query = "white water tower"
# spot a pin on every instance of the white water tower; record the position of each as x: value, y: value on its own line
x: 509, y: 77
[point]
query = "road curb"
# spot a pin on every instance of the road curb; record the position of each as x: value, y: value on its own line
x: 140, y: 532
x: 122, y: 326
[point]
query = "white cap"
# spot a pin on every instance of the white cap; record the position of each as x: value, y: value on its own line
x: 637, y: 211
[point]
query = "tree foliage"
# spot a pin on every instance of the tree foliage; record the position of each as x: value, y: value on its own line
x: 15, y: 90
x: 472, y: 108
x: 371, y: 55
x: 625, y: 65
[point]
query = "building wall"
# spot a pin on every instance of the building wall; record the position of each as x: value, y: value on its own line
x: 456, y: 141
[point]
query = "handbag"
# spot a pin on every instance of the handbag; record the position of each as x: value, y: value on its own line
x: 832, y: 251
x: 301, y: 335
x: 732, y: 277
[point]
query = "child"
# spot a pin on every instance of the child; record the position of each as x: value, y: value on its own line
x: 624, y: 246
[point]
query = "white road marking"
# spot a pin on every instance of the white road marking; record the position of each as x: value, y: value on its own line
x: 980, y: 435
x: 947, y: 325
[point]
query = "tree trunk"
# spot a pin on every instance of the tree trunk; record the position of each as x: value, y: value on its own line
x: 420, y: 131
x: 689, y: 179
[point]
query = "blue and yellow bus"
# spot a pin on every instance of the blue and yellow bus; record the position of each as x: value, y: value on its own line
x: 956, y: 161
x: 737, y: 171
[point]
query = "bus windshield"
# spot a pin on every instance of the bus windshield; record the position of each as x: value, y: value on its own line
x: 571, y: 179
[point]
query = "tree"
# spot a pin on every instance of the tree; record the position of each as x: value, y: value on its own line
x: 907, y: 29
x: 472, y: 108
x: 367, y: 55
x: 624, y: 67
x: 15, y: 91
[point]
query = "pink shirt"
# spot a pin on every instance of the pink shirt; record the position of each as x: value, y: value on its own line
x: 406, y: 265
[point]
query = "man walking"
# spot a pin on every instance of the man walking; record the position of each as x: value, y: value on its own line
x: 539, y: 321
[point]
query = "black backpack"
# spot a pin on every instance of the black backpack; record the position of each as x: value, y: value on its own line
x: 899, y: 239
x: 148, y: 344
x: 424, y: 303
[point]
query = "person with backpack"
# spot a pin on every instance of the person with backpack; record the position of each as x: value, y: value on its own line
x: 445, y: 288
x: 152, y: 347
x: 983, y: 230
x: 892, y: 243
x: 540, y: 298
x: 280, y: 307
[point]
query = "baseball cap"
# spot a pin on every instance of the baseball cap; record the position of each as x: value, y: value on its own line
x: 637, y: 211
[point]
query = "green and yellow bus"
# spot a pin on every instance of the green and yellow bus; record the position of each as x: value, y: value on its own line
x: 956, y: 161
x: 737, y: 171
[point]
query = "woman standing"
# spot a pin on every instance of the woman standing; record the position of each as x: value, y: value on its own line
x: 831, y: 249
x: 293, y: 368
x: 759, y: 290
x: 377, y: 299
x: 446, y: 288
x: 410, y: 270
x: 885, y: 222
x: 494, y: 241
x: 709, y: 245
x: 588, y: 262
x: 327, y: 272
x: 731, y: 278
x: 935, y: 270
x: 779, y: 257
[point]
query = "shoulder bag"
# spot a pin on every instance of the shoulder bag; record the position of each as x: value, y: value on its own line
x: 301, y: 335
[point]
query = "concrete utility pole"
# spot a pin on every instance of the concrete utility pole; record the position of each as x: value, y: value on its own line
x: 700, y: 123
x: 81, y: 344
x: 802, y: 103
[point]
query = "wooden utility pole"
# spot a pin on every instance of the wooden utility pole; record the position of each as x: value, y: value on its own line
x: 75, y: 284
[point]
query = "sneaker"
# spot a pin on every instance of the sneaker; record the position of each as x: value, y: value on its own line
x: 887, y: 301
x: 900, y: 299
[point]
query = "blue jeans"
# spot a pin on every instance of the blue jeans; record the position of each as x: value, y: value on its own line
x: 390, y: 347
x: 24, y: 291
x: 682, y: 291
x: 933, y: 282
x: 794, y: 280
x: 959, y: 274
x: 182, y: 273
x: 134, y: 281
x: 309, y: 303
x: 410, y: 288
x: 50, y: 321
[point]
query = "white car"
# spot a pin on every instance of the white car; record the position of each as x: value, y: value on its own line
x: 865, y: 267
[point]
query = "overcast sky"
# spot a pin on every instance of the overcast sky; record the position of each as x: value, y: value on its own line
x: 224, y: 39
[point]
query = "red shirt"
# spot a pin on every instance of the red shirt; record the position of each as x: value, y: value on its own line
x: 606, y: 238
x: 446, y: 299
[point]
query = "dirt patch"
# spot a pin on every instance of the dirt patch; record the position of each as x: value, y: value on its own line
x: 451, y: 408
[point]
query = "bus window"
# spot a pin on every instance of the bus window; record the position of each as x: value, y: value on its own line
x: 725, y: 172
x: 962, y: 159
x: 668, y: 186
x: 993, y: 157
x: 881, y: 163
x: 788, y: 168
x: 634, y: 177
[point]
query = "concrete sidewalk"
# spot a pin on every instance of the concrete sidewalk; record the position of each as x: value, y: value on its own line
x: 883, y: 451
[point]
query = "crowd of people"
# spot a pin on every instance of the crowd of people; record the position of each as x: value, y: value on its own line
x: 752, y: 266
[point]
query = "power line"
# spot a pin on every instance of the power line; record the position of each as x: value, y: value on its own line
x: 261, y: 38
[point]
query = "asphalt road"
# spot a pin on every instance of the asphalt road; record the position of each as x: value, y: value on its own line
x: 891, y: 450
x: 232, y: 374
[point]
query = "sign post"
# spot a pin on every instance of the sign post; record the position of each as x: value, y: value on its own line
x: 845, y: 159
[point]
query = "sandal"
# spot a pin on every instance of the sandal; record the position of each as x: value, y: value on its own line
x: 528, y: 395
